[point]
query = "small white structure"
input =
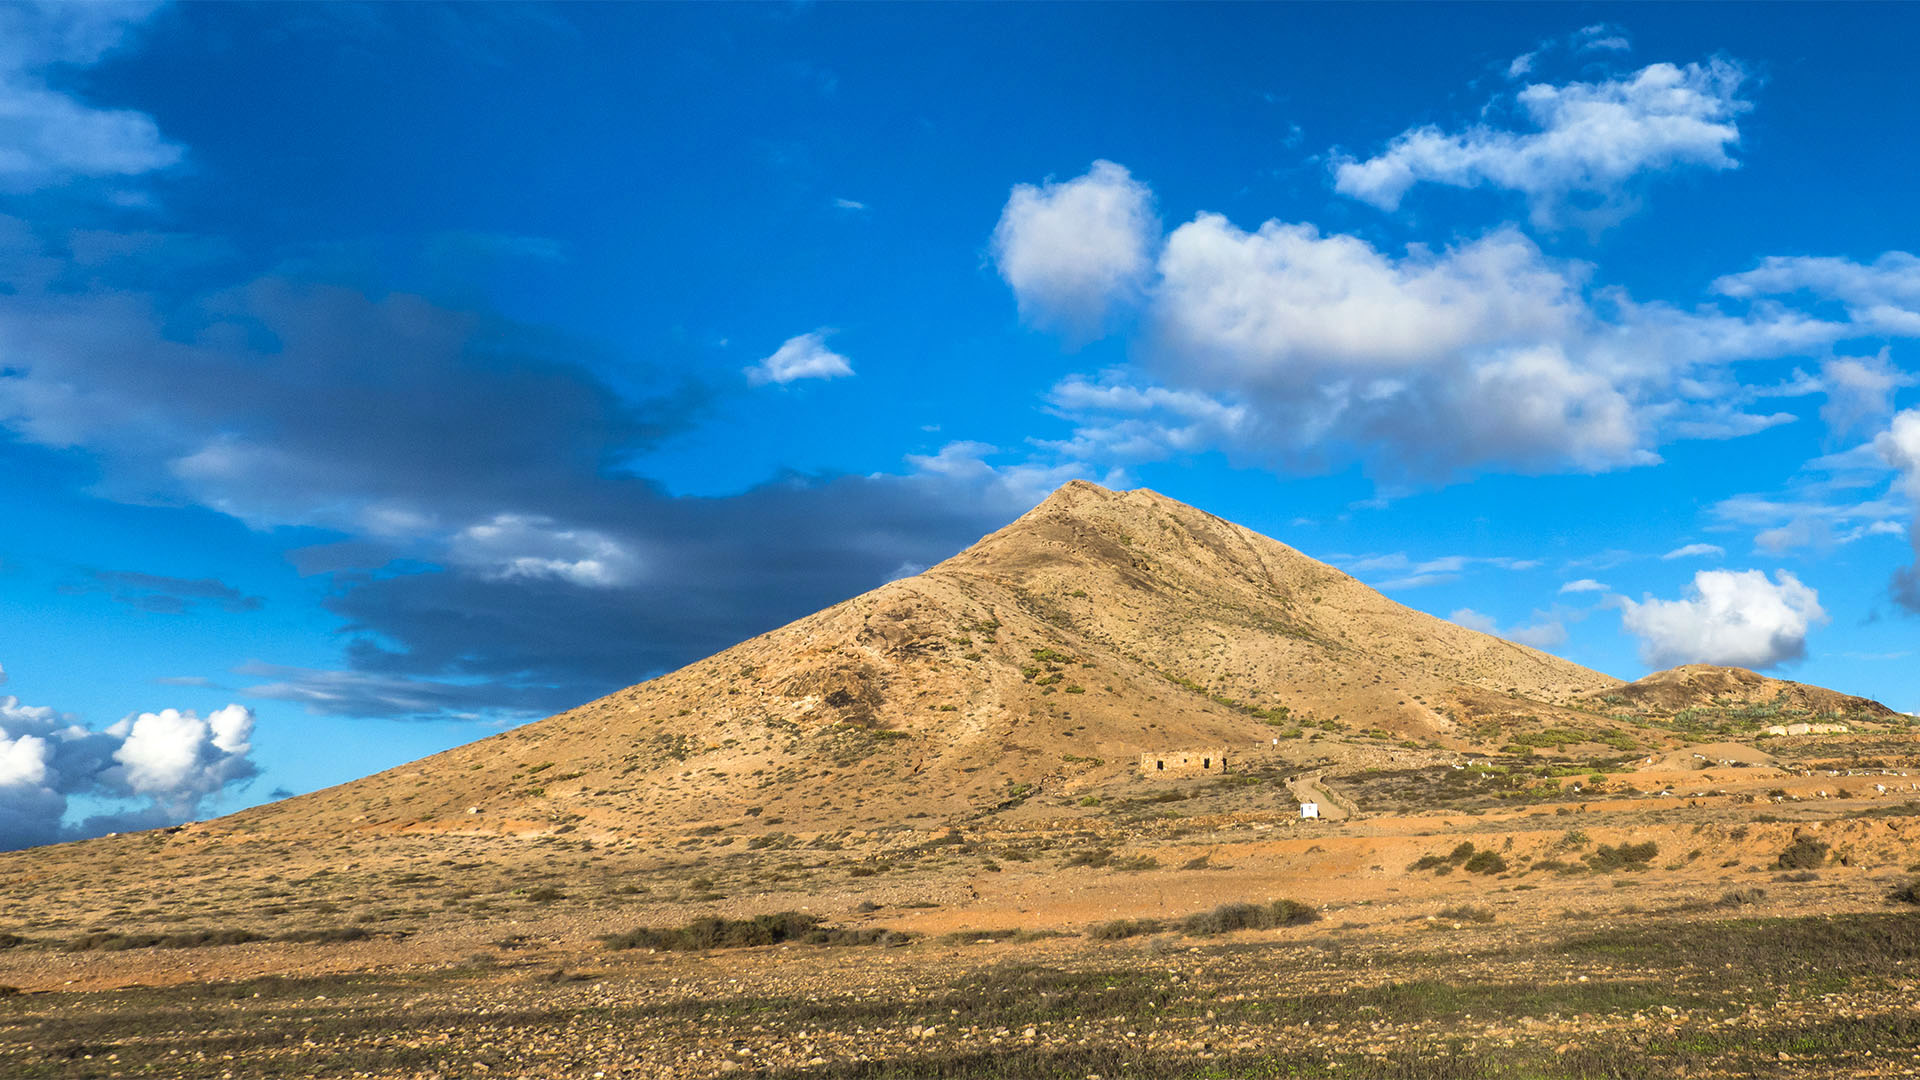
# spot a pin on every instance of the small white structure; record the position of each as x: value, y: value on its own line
x: 1309, y: 810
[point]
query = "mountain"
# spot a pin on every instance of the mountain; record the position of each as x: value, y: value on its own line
x: 1098, y: 626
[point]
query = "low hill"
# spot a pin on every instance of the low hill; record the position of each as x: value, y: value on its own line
x: 1696, y: 686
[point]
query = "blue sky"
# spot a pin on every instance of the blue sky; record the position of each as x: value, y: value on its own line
x: 374, y: 377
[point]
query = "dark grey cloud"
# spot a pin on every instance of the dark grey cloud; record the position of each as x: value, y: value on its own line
x: 717, y: 571
x: 491, y: 551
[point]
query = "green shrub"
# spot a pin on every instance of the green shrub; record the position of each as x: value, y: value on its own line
x: 1908, y: 893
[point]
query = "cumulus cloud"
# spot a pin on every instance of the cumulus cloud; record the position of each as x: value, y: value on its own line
x: 805, y: 356
x: 1728, y: 617
x: 1696, y: 551
x: 1295, y: 347
x: 1485, y: 353
x: 176, y: 758
x: 171, y: 761
x: 1590, y: 140
x: 1075, y: 251
x: 1337, y: 341
x: 51, y: 134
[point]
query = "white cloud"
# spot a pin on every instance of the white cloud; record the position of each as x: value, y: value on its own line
x: 1601, y: 36
x: 1417, y: 574
x: 1860, y: 391
x: 1695, y: 551
x: 849, y: 204
x: 1585, y: 585
x: 1591, y: 140
x: 1302, y: 349
x: 177, y: 759
x: 515, y: 546
x: 1899, y: 445
x: 1474, y: 620
x: 1734, y: 618
x: 1487, y: 352
x: 1019, y: 486
x: 1806, y: 519
x: 1881, y: 297
x: 803, y: 357
x: 1117, y: 421
x: 1332, y: 338
x: 1075, y: 251
x: 171, y: 759
x: 1543, y: 633
x: 49, y: 134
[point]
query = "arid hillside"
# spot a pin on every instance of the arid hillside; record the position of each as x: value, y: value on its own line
x: 1099, y: 626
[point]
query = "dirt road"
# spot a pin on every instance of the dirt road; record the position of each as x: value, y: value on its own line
x: 1307, y: 788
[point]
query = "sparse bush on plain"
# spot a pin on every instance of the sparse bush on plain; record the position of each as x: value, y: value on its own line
x: 1907, y: 893
x: 1230, y: 917
x: 1485, y: 862
x: 1607, y: 858
x: 1465, y: 913
x: 714, y: 932
x: 1124, y: 928
x: 1746, y: 897
x: 1805, y: 853
x: 1094, y: 856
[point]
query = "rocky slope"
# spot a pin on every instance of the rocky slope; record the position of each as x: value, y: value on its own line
x: 1096, y: 627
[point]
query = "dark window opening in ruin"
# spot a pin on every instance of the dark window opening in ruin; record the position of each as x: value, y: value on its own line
x: 1206, y: 763
x: 1161, y: 764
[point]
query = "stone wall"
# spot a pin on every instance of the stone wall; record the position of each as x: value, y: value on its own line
x: 1184, y: 761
